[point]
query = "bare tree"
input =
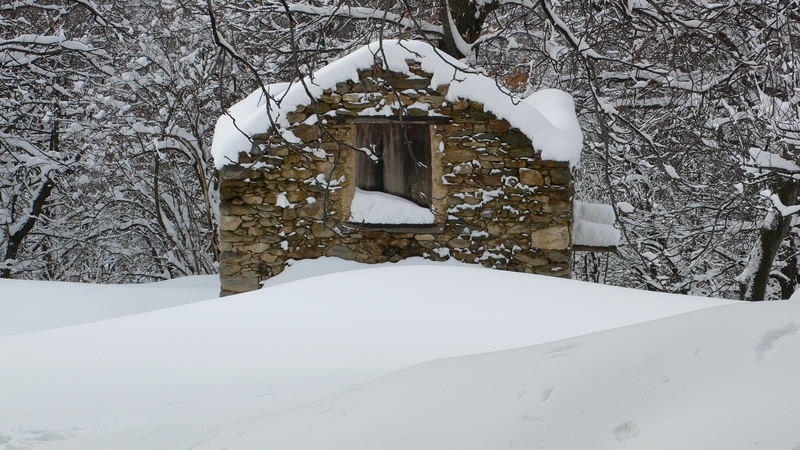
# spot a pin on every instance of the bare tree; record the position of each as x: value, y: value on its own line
x: 690, y: 112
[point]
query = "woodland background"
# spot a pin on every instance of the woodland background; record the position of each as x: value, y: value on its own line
x: 690, y: 110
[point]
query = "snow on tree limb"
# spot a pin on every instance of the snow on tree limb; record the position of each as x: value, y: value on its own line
x: 783, y: 210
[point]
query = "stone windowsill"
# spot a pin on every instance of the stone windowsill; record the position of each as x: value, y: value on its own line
x: 432, y: 228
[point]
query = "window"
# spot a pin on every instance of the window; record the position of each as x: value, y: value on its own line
x: 403, y: 165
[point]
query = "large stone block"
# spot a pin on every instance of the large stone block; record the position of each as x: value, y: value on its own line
x: 229, y: 268
x: 410, y: 83
x: 340, y: 252
x: 460, y: 155
x: 229, y: 223
x: 560, y: 175
x: 531, y: 177
x: 307, y: 133
x: 521, y: 152
x: 252, y: 199
x: 531, y: 259
x: 227, y: 208
x: 551, y: 238
x: 232, y: 172
x: 239, y: 284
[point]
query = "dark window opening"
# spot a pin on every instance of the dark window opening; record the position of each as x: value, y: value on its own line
x: 402, y: 163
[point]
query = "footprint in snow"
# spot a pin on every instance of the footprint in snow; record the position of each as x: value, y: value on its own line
x: 528, y: 418
x: 24, y: 438
x: 547, y: 393
x: 54, y: 435
x: 562, y: 351
x: 625, y: 431
x: 563, y: 348
x: 770, y: 338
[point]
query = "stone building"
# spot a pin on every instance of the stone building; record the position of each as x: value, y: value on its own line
x: 393, y: 151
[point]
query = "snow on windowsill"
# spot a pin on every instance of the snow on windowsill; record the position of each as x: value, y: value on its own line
x: 373, y: 207
x: 592, y: 234
x: 594, y: 225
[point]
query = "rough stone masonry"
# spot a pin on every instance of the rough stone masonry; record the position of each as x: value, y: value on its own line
x: 495, y: 201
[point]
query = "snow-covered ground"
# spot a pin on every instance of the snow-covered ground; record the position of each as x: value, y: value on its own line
x: 39, y: 305
x: 399, y: 357
x: 718, y: 379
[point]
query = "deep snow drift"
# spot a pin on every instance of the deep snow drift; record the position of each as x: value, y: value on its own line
x: 198, y: 375
x: 718, y: 379
x: 27, y: 306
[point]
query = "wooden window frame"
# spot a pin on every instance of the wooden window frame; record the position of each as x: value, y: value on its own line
x: 433, y: 228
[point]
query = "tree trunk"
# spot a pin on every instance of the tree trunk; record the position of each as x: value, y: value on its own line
x: 467, y: 17
x: 771, y: 237
x: 790, y: 273
x: 15, y: 239
x: 37, y: 206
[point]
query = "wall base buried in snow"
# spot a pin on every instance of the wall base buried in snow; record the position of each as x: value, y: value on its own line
x: 309, y: 268
x: 221, y: 373
x: 722, y: 378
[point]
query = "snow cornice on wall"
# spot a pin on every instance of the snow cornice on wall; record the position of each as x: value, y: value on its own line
x: 546, y: 117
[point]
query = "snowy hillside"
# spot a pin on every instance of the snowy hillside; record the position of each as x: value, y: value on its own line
x: 235, y: 373
x: 27, y: 306
x: 722, y: 378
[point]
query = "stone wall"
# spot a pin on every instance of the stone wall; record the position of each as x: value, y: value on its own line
x: 495, y: 201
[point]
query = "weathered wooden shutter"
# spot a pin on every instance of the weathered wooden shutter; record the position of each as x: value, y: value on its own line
x: 369, y: 172
x: 405, y: 166
x: 407, y: 162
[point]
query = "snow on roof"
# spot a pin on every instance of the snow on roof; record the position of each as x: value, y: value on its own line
x: 547, y: 117
x: 246, y: 118
x: 593, y: 225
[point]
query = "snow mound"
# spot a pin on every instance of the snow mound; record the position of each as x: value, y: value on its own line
x: 177, y: 377
x: 324, y: 265
x: 382, y: 208
x: 27, y: 306
x: 638, y: 387
x: 548, y: 118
